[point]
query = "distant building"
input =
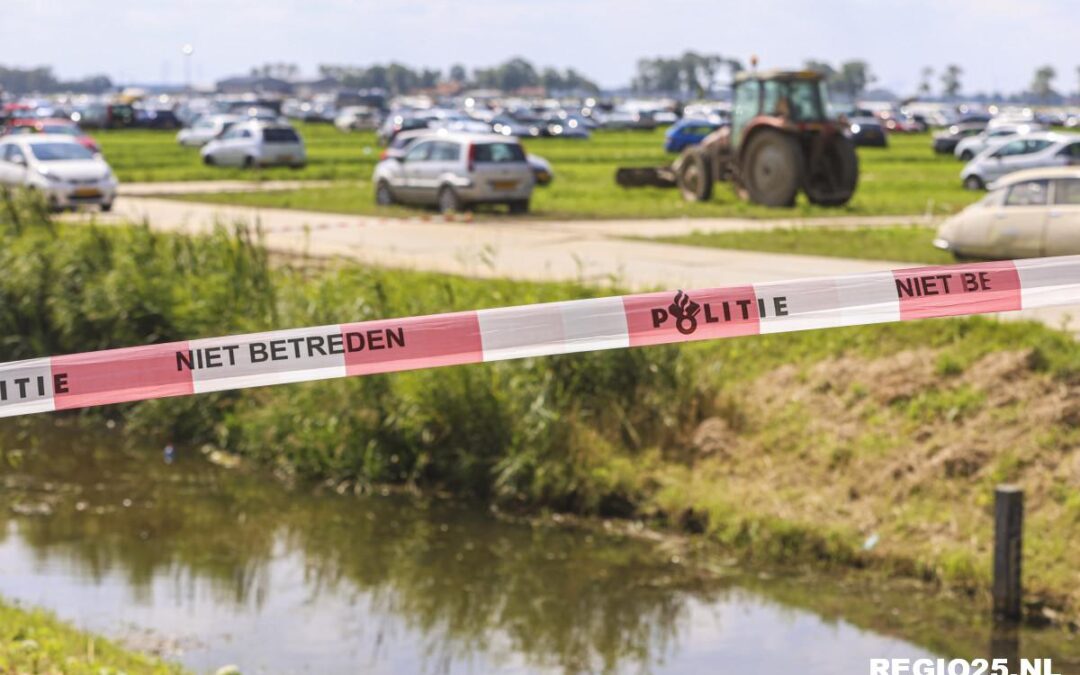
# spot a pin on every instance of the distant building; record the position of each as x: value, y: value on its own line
x: 311, y: 88
x: 255, y: 84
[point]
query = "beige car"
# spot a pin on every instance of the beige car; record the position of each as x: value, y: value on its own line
x: 1026, y: 214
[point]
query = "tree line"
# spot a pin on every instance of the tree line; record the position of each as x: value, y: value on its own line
x: 511, y: 75
x: 42, y: 80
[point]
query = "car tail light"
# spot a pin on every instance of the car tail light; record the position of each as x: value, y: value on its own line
x: 383, y: 155
x: 472, y: 158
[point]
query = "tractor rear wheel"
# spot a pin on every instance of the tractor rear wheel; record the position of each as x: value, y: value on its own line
x: 694, y: 177
x: 772, y: 168
x: 834, y: 172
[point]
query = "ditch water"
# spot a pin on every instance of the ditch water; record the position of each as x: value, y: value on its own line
x: 209, y: 566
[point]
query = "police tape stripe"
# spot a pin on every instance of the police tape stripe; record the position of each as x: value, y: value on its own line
x: 393, y: 345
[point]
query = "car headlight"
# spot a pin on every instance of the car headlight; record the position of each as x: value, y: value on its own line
x: 49, y: 175
x: 855, y: 128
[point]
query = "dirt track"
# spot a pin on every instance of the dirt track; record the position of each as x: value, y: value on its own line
x: 591, y: 251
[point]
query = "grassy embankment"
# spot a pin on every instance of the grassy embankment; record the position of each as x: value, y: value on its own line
x: 900, y: 243
x: 904, y: 179
x: 33, y: 641
x: 790, y: 447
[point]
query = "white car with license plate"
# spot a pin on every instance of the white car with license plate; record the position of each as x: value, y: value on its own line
x: 1026, y: 214
x: 256, y: 144
x: 64, y: 172
x: 453, y: 171
x: 1032, y: 151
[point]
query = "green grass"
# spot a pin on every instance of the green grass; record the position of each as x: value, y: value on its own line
x: 900, y: 243
x: 906, y: 178
x: 34, y: 641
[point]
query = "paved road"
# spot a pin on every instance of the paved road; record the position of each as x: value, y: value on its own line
x: 586, y: 251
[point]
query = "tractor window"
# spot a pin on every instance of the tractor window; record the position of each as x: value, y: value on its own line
x: 745, y: 106
x: 797, y: 100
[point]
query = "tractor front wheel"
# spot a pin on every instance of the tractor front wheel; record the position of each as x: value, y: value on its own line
x: 694, y: 178
x: 772, y: 168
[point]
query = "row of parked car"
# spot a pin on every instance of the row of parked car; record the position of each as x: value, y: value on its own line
x: 995, y: 148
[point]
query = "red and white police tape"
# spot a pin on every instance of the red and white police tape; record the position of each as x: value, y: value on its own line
x: 390, y: 345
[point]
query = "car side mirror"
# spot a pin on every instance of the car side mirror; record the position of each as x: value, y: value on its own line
x: 19, y: 159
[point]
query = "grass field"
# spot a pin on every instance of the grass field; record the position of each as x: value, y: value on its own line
x: 903, y: 243
x: 905, y: 178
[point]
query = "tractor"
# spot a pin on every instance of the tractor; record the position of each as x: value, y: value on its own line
x: 780, y: 140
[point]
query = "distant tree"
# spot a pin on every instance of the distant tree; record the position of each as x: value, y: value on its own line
x: 853, y: 77
x: 1042, y: 83
x: 821, y: 67
x: 458, y: 73
x: 42, y: 80
x: 927, y: 74
x: 950, y: 80
x: 280, y: 71
x: 691, y: 74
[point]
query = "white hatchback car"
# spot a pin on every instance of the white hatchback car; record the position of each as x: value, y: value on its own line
x: 971, y: 146
x: 1033, y: 151
x: 454, y: 170
x: 256, y: 144
x: 1026, y: 214
x: 64, y: 172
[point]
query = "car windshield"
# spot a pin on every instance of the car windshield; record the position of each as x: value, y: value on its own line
x: 498, y: 153
x: 53, y: 152
x: 280, y: 135
x: 65, y: 129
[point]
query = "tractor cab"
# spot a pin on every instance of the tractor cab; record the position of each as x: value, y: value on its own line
x: 785, y: 97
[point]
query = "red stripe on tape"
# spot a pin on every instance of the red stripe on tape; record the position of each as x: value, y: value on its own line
x: 119, y: 375
x: 927, y: 292
x: 405, y: 344
x: 660, y: 318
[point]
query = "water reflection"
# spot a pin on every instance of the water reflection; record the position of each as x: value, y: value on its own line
x: 240, y: 570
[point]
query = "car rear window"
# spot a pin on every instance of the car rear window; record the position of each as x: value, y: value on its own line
x: 498, y: 153
x: 280, y: 135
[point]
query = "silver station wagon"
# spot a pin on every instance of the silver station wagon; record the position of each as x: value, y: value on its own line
x: 453, y: 171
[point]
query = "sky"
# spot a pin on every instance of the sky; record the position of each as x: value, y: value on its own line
x: 998, y: 43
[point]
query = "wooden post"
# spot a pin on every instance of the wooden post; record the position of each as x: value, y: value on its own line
x: 1008, y: 546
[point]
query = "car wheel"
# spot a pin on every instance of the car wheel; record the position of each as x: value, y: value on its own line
x: 967, y: 156
x: 973, y: 182
x: 106, y: 207
x: 249, y: 162
x: 519, y: 206
x: 448, y: 200
x: 208, y: 160
x: 383, y: 195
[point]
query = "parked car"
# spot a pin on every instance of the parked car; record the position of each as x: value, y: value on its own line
x: 357, y: 118
x: 206, y: 129
x: 62, y: 127
x: 541, y: 168
x: 455, y: 170
x: 156, y: 118
x: 687, y: 132
x: 397, y: 122
x: 967, y: 148
x: 57, y: 166
x: 868, y: 131
x: 1043, y: 149
x: 256, y: 144
x: 1026, y: 214
x: 945, y: 141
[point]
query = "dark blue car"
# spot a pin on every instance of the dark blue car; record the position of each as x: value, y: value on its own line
x: 686, y: 133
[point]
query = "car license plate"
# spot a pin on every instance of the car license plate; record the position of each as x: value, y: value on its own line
x: 504, y: 184
x: 87, y: 192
